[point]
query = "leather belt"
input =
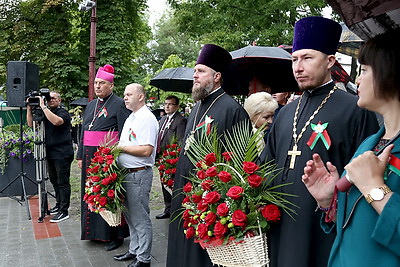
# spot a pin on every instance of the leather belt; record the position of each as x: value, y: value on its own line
x: 130, y: 170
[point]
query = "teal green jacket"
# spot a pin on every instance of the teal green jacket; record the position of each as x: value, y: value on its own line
x: 365, y: 238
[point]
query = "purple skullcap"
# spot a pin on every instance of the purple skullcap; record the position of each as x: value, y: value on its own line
x: 106, y: 73
x: 215, y: 57
x: 317, y: 33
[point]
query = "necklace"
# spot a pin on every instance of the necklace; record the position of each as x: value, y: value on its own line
x: 190, y: 140
x: 97, y: 112
x: 294, y: 152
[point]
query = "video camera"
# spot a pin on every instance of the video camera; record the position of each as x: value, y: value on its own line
x: 34, y: 102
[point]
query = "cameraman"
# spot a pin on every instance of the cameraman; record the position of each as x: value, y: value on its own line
x: 59, y: 150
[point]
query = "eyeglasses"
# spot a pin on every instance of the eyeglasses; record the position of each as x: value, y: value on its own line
x: 169, y: 104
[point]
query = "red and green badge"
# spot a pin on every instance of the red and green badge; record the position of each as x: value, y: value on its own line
x: 320, y: 132
x: 103, y: 113
x: 206, y: 125
x: 132, y: 135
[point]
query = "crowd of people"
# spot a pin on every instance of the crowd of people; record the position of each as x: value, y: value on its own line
x: 319, y: 137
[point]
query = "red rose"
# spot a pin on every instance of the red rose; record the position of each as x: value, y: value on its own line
x: 106, y: 150
x: 220, y: 230
x: 85, y: 197
x: 201, y: 174
x: 170, y: 183
x: 102, y: 201
x: 170, y: 161
x: 185, y: 200
x: 95, y: 169
x: 222, y: 209
x: 200, y: 164
x: 212, y: 197
x: 254, y: 180
x: 105, y: 169
x: 98, y: 159
x: 96, y: 188
x: 227, y: 156
x: 186, y: 214
x: 109, y: 162
x: 106, y: 181
x: 95, y: 179
x: 188, y: 187
x: 224, y: 176
x: 172, y: 153
x: 210, y: 159
x: 161, y: 167
x: 174, y: 145
x: 111, y: 193
x: 211, y: 172
x: 202, y: 206
x: 271, y: 212
x: 210, y: 218
x: 196, y: 198
x: 109, y: 157
x: 239, y: 218
x: 168, y: 171
x: 235, y: 192
x: 168, y: 146
x: 202, y: 229
x: 173, y: 170
x: 250, y: 167
x: 190, y: 232
x: 112, y: 177
x: 91, y: 199
x: 207, y: 185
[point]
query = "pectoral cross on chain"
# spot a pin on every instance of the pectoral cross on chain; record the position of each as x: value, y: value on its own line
x: 293, y: 154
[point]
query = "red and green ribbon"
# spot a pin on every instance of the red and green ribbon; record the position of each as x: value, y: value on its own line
x: 206, y: 124
x: 103, y: 113
x: 132, y: 135
x: 320, y: 132
x: 394, y: 164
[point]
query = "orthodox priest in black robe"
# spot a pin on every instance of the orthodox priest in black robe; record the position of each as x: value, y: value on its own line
x: 324, y: 120
x: 102, y: 115
x: 224, y: 112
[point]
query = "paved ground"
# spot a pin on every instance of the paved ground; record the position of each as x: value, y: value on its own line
x: 19, y: 247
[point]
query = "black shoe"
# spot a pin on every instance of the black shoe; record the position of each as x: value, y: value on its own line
x: 164, y: 215
x: 54, y: 210
x: 114, y: 244
x: 125, y: 257
x: 136, y: 263
x: 61, y: 216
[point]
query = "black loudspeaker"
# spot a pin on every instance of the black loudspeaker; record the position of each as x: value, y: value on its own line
x: 22, y: 78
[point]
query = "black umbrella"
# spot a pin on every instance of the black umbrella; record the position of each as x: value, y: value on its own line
x: 349, y: 43
x: 174, y: 79
x: 368, y: 18
x: 83, y: 101
x: 272, y: 66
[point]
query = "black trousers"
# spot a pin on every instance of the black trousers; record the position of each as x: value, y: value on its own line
x: 59, y: 173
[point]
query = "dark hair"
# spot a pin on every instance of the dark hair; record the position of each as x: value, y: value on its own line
x: 382, y: 53
x: 173, y: 97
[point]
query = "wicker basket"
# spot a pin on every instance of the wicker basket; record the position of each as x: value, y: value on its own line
x: 113, y: 219
x: 252, y: 251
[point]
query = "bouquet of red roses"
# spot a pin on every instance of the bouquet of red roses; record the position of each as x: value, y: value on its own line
x: 230, y: 197
x: 103, y: 189
x: 167, y: 164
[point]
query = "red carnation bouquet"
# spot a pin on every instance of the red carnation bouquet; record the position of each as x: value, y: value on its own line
x: 230, y: 197
x: 167, y: 164
x: 103, y: 189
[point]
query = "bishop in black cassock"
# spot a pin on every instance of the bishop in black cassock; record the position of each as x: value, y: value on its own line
x: 300, y: 241
x: 224, y: 112
x: 107, y: 113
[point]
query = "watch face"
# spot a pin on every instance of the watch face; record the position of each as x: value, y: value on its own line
x: 377, y: 194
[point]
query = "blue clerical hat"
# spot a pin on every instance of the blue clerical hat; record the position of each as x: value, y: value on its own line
x: 317, y: 33
x: 215, y: 57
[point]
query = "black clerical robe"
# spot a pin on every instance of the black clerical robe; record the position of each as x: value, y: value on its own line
x: 107, y: 115
x: 300, y: 241
x: 226, y: 112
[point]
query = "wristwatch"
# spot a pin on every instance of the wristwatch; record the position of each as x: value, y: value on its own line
x: 377, y: 193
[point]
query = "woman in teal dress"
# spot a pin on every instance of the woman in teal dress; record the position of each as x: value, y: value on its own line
x: 367, y: 217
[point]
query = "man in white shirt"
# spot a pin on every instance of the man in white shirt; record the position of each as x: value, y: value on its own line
x: 138, y: 144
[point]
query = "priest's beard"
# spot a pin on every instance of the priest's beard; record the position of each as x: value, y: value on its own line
x: 199, y: 93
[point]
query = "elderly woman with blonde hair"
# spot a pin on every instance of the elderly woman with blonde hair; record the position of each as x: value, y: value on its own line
x: 261, y: 107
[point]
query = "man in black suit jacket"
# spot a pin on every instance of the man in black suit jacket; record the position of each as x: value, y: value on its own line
x: 172, y: 124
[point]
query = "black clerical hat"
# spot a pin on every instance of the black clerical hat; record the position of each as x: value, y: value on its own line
x: 317, y: 33
x: 215, y: 57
